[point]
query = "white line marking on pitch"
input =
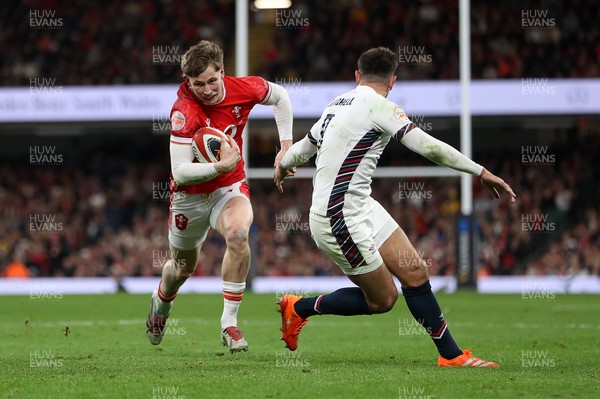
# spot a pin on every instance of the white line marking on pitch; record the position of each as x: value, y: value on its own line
x: 95, y: 323
x: 319, y: 323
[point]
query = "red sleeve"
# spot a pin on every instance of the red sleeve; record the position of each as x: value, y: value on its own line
x: 184, y: 122
x: 259, y: 88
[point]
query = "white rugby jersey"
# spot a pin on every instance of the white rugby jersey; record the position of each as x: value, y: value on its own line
x: 350, y: 137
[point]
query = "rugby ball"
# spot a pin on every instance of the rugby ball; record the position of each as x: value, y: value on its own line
x: 206, y: 144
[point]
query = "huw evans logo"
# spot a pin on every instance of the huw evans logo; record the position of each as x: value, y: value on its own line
x: 161, y: 124
x: 537, y: 155
x: 414, y: 55
x: 44, y: 155
x: 168, y: 392
x: 45, y: 358
x: 536, y: 358
x: 44, y: 19
x: 537, y: 223
x: 44, y: 291
x: 282, y: 289
x: 413, y: 259
x: 166, y: 55
x: 419, y: 121
x: 537, y: 87
x: 410, y: 326
x: 413, y: 191
x: 298, y: 159
x: 290, y: 223
x: 293, y: 85
x: 173, y: 328
x: 537, y: 19
x: 536, y: 291
x: 44, y: 222
x: 286, y: 358
x: 290, y: 19
x: 413, y: 393
x: 161, y: 191
x: 160, y: 257
x: 44, y: 86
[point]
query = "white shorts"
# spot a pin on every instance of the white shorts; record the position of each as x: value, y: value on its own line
x: 191, y: 215
x: 352, y: 242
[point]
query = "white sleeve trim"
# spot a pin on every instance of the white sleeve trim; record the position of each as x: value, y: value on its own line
x: 439, y: 152
x: 282, y: 110
x: 181, y: 140
x: 184, y: 171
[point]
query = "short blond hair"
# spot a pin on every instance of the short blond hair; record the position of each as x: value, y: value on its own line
x: 200, y: 56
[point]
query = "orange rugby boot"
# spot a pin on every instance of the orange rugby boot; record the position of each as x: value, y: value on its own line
x: 291, y: 323
x: 465, y: 360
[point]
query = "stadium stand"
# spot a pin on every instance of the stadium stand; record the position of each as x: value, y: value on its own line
x: 95, y: 35
x: 503, y: 45
x: 100, y: 200
x: 113, y: 211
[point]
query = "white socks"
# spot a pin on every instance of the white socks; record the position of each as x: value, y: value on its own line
x: 164, y: 302
x: 232, y: 298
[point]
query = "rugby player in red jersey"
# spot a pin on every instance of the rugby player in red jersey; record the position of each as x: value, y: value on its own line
x: 212, y: 195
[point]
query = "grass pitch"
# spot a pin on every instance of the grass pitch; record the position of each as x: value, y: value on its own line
x: 547, y: 348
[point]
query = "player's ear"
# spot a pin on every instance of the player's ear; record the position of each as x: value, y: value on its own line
x: 392, y: 81
x: 357, y: 76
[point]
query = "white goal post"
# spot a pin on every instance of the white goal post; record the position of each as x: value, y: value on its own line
x: 241, y: 50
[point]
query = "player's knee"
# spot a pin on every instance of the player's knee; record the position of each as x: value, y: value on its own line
x: 416, y: 275
x: 385, y: 303
x: 236, y: 238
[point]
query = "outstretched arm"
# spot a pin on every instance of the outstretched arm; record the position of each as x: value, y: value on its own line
x: 298, y: 154
x: 284, y: 117
x: 443, y: 154
x: 496, y: 185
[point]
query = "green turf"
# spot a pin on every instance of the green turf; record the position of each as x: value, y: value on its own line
x: 547, y: 349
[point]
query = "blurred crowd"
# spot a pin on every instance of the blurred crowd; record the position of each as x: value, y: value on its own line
x: 554, y: 227
x: 107, y: 216
x: 108, y: 42
x: 104, y: 213
x: 509, y: 39
x: 115, y: 42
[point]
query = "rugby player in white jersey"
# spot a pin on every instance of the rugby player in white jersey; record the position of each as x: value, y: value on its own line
x: 355, y: 230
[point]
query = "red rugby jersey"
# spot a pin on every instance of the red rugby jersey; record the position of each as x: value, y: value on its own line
x: 230, y: 116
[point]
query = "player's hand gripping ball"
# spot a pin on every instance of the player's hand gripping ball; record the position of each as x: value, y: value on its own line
x: 206, y: 144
